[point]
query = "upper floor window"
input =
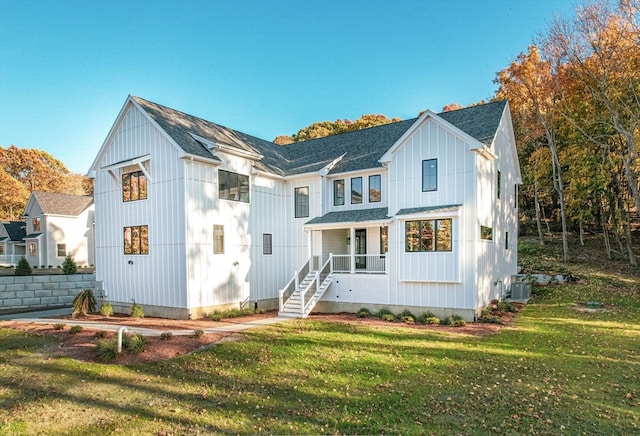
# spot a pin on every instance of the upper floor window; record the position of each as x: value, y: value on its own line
x: 375, y: 188
x: 134, y: 186
x: 338, y: 192
x: 61, y: 250
x: 428, y: 235
x: 356, y: 190
x: 136, y: 240
x: 301, y: 202
x: 429, y: 175
x: 218, y: 239
x: 499, y: 185
x: 233, y: 186
x: 36, y: 224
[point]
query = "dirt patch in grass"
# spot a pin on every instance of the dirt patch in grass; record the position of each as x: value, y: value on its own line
x: 81, y: 346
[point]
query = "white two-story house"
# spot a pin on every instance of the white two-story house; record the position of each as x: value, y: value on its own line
x: 419, y: 214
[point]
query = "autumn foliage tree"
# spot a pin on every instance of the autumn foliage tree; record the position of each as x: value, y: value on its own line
x: 327, y: 128
x: 26, y: 170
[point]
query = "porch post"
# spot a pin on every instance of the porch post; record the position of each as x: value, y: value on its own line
x: 310, y: 245
x: 352, y: 249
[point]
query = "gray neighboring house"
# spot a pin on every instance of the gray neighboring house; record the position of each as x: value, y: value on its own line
x: 58, y: 225
x: 12, y: 246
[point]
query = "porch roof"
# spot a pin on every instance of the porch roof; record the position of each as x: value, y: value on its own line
x: 33, y: 236
x: 380, y: 214
x: 429, y: 209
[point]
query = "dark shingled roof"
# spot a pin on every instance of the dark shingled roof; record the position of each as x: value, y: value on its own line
x: 352, y: 216
x: 32, y: 235
x: 15, y: 230
x: 53, y: 203
x: 412, y: 210
x: 362, y: 149
x: 178, y: 125
x: 480, y: 121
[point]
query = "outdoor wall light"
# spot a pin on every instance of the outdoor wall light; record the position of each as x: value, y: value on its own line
x: 130, y: 262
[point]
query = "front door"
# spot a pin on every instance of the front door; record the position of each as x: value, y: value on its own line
x: 361, y: 248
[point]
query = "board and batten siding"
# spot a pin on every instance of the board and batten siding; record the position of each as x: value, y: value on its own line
x: 444, y: 280
x: 328, y: 191
x: 156, y: 279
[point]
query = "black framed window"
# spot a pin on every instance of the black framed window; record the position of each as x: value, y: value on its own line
x: 429, y: 175
x: 338, y: 192
x: 136, y: 240
x: 134, y: 186
x: 301, y: 202
x: 375, y: 188
x: 428, y: 235
x: 356, y: 190
x: 233, y: 186
x: 506, y: 240
x: 499, y: 184
x: 267, y: 243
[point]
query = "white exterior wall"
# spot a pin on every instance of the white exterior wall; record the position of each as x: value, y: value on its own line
x: 75, y: 232
x: 433, y: 279
x: 495, y: 263
x: 328, y: 191
x: 299, y: 249
x: 156, y: 279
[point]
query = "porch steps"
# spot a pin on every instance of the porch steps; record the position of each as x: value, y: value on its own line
x: 291, y: 307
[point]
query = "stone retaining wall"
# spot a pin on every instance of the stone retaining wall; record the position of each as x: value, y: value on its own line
x: 20, y: 293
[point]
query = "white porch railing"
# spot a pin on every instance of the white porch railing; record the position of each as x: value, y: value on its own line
x: 10, y: 259
x: 360, y: 263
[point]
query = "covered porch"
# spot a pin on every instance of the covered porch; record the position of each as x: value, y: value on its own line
x: 354, y: 241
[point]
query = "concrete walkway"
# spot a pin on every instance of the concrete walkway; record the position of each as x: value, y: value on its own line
x: 43, y: 318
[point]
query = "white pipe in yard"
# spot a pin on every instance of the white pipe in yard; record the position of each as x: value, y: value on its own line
x: 120, y: 331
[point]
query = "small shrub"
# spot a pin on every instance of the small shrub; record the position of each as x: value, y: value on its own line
x: 388, y: 317
x: 165, y: 336
x: 100, y: 335
x: 487, y: 317
x: 384, y: 311
x: 107, y: 350
x: 69, y: 266
x: 75, y: 329
x: 216, y: 316
x: 428, y: 318
x: 364, y: 313
x: 407, y: 317
x: 23, y: 268
x: 197, y: 333
x: 35, y: 266
x: 42, y: 266
x: 454, y: 320
x: 506, y: 306
x: 135, y: 343
x: 59, y: 326
x: 106, y: 309
x: 432, y: 320
x: 136, y: 311
x: 50, y: 266
x: 84, y: 302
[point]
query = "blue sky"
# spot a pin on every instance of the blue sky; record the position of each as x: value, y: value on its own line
x: 262, y: 67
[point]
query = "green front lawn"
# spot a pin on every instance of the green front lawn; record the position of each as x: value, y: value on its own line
x: 554, y: 370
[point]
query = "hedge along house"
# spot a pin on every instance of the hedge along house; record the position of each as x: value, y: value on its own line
x: 420, y: 214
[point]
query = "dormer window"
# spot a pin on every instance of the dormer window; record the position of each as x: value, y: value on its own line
x: 35, y: 222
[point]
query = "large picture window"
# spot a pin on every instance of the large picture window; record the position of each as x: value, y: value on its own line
x: 136, y: 240
x: 338, y: 192
x: 301, y: 202
x: 218, y: 239
x: 233, y: 186
x: 428, y: 235
x: 134, y: 186
x: 375, y: 189
x: 429, y: 175
x: 356, y: 190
